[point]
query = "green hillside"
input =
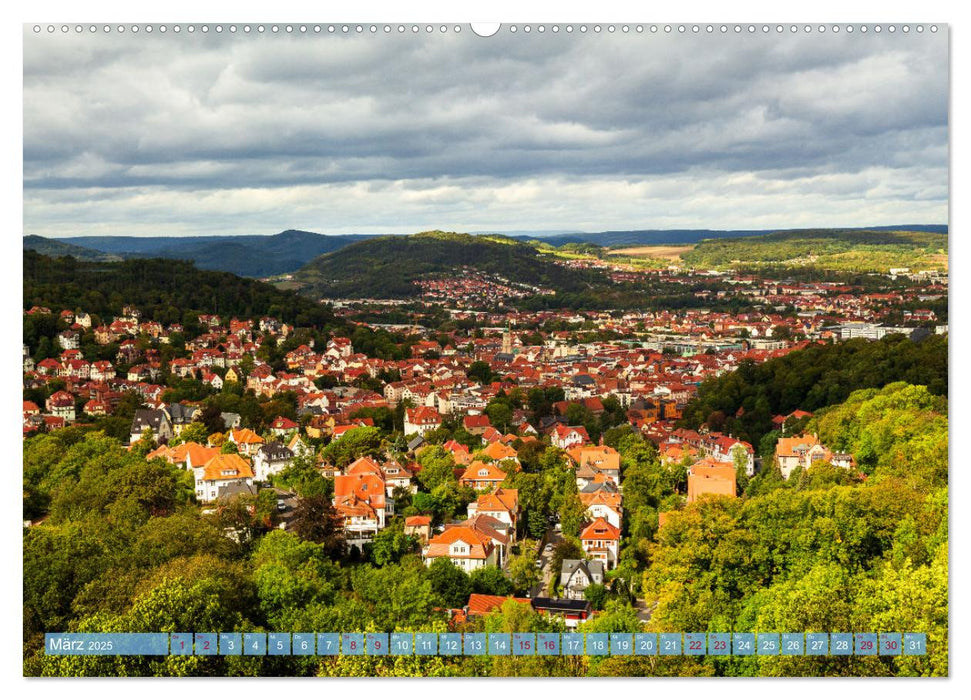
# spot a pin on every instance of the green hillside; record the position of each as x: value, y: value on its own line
x: 57, y: 249
x: 812, y: 378
x: 169, y: 291
x: 244, y: 255
x: 387, y: 267
x: 835, y: 249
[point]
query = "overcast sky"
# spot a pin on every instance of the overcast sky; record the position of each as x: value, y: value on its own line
x: 203, y: 134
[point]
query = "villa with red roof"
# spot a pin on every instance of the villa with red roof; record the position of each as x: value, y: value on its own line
x: 246, y: 441
x: 482, y: 475
x: 459, y: 452
x: 601, y: 541
x: 499, y: 452
x: 465, y: 547
x: 283, y: 427
x: 361, y: 502
x: 476, y: 424
x: 421, y: 420
x: 501, y: 504
x: 603, y: 504
x: 419, y: 527
x: 61, y: 405
x: 567, y: 436
x: 219, y: 473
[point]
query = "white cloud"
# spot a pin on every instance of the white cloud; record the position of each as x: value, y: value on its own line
x: 246, y: 134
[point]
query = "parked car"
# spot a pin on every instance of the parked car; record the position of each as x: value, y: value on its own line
x: 539, y: 563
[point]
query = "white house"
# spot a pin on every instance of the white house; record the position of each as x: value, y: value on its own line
x: 577, y: 574
x: 421, y: 420
x: 567, y: 436
x: 220, y: 472
x: 272, y: 458
x: 601, y: 541
x: 465, y: 547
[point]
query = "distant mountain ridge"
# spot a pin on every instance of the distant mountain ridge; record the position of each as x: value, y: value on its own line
x: 56, y: 249
x: 613, y: 239
x: 245, y: 255
x: 291, y: 250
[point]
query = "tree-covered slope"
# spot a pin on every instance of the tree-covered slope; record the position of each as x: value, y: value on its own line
x: 49, y: 246
x: 812, y: 378
x: 388, y: 266
x: 825, y: 550
x: 838, y: 249
x: 249, y: 256
x: 165, y: 290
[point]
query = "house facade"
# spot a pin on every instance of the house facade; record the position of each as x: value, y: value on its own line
x: 219, y: 473
x: 804, y: 451
x: 577, y: 574
x: 601, y: 542
x: 271, y: 458
x: 466, y: 548
x: 421, y: 420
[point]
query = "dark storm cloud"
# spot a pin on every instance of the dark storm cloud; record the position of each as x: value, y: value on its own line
x: 505, y: 125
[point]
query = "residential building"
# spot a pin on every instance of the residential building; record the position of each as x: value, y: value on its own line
x: 601, y: 541
x: 577, y: 574
x: 464, y: 546
x: 271, y: 458
x: 567, y: 436
x: 482, y: 475
x: 711, y: 477
x: 501, y: 504
x: 246, y: 441
x: 361, y: 502
x: 419, y: 527
x: 804, y: 451
x: 61, y: 405
x: 421, y: 420
x: 155, y: 420
x: 221, y: 471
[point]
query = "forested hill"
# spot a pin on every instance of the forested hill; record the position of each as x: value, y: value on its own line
x: 168, y: 291
x: 387, y: 267
x: 812, y: 378
x: 838, y: 249
x: 49, y: 246
x: 246, y: 255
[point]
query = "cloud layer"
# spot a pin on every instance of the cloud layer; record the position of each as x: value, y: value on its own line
x: 189, y: 134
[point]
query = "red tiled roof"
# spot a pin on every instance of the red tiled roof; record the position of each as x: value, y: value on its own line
x: 283, y: 423
x: 481, y: 604
x: 600, y: 529
x: 480, y: 545
x: 227, y: 467
x: 489, y: 472
x: 246, y: 436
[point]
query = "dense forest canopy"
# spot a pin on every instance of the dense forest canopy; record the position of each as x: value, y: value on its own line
x: 168, y: 291
x: 809, y: 379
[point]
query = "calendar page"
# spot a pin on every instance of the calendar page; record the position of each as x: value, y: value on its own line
x: 547, y: 350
